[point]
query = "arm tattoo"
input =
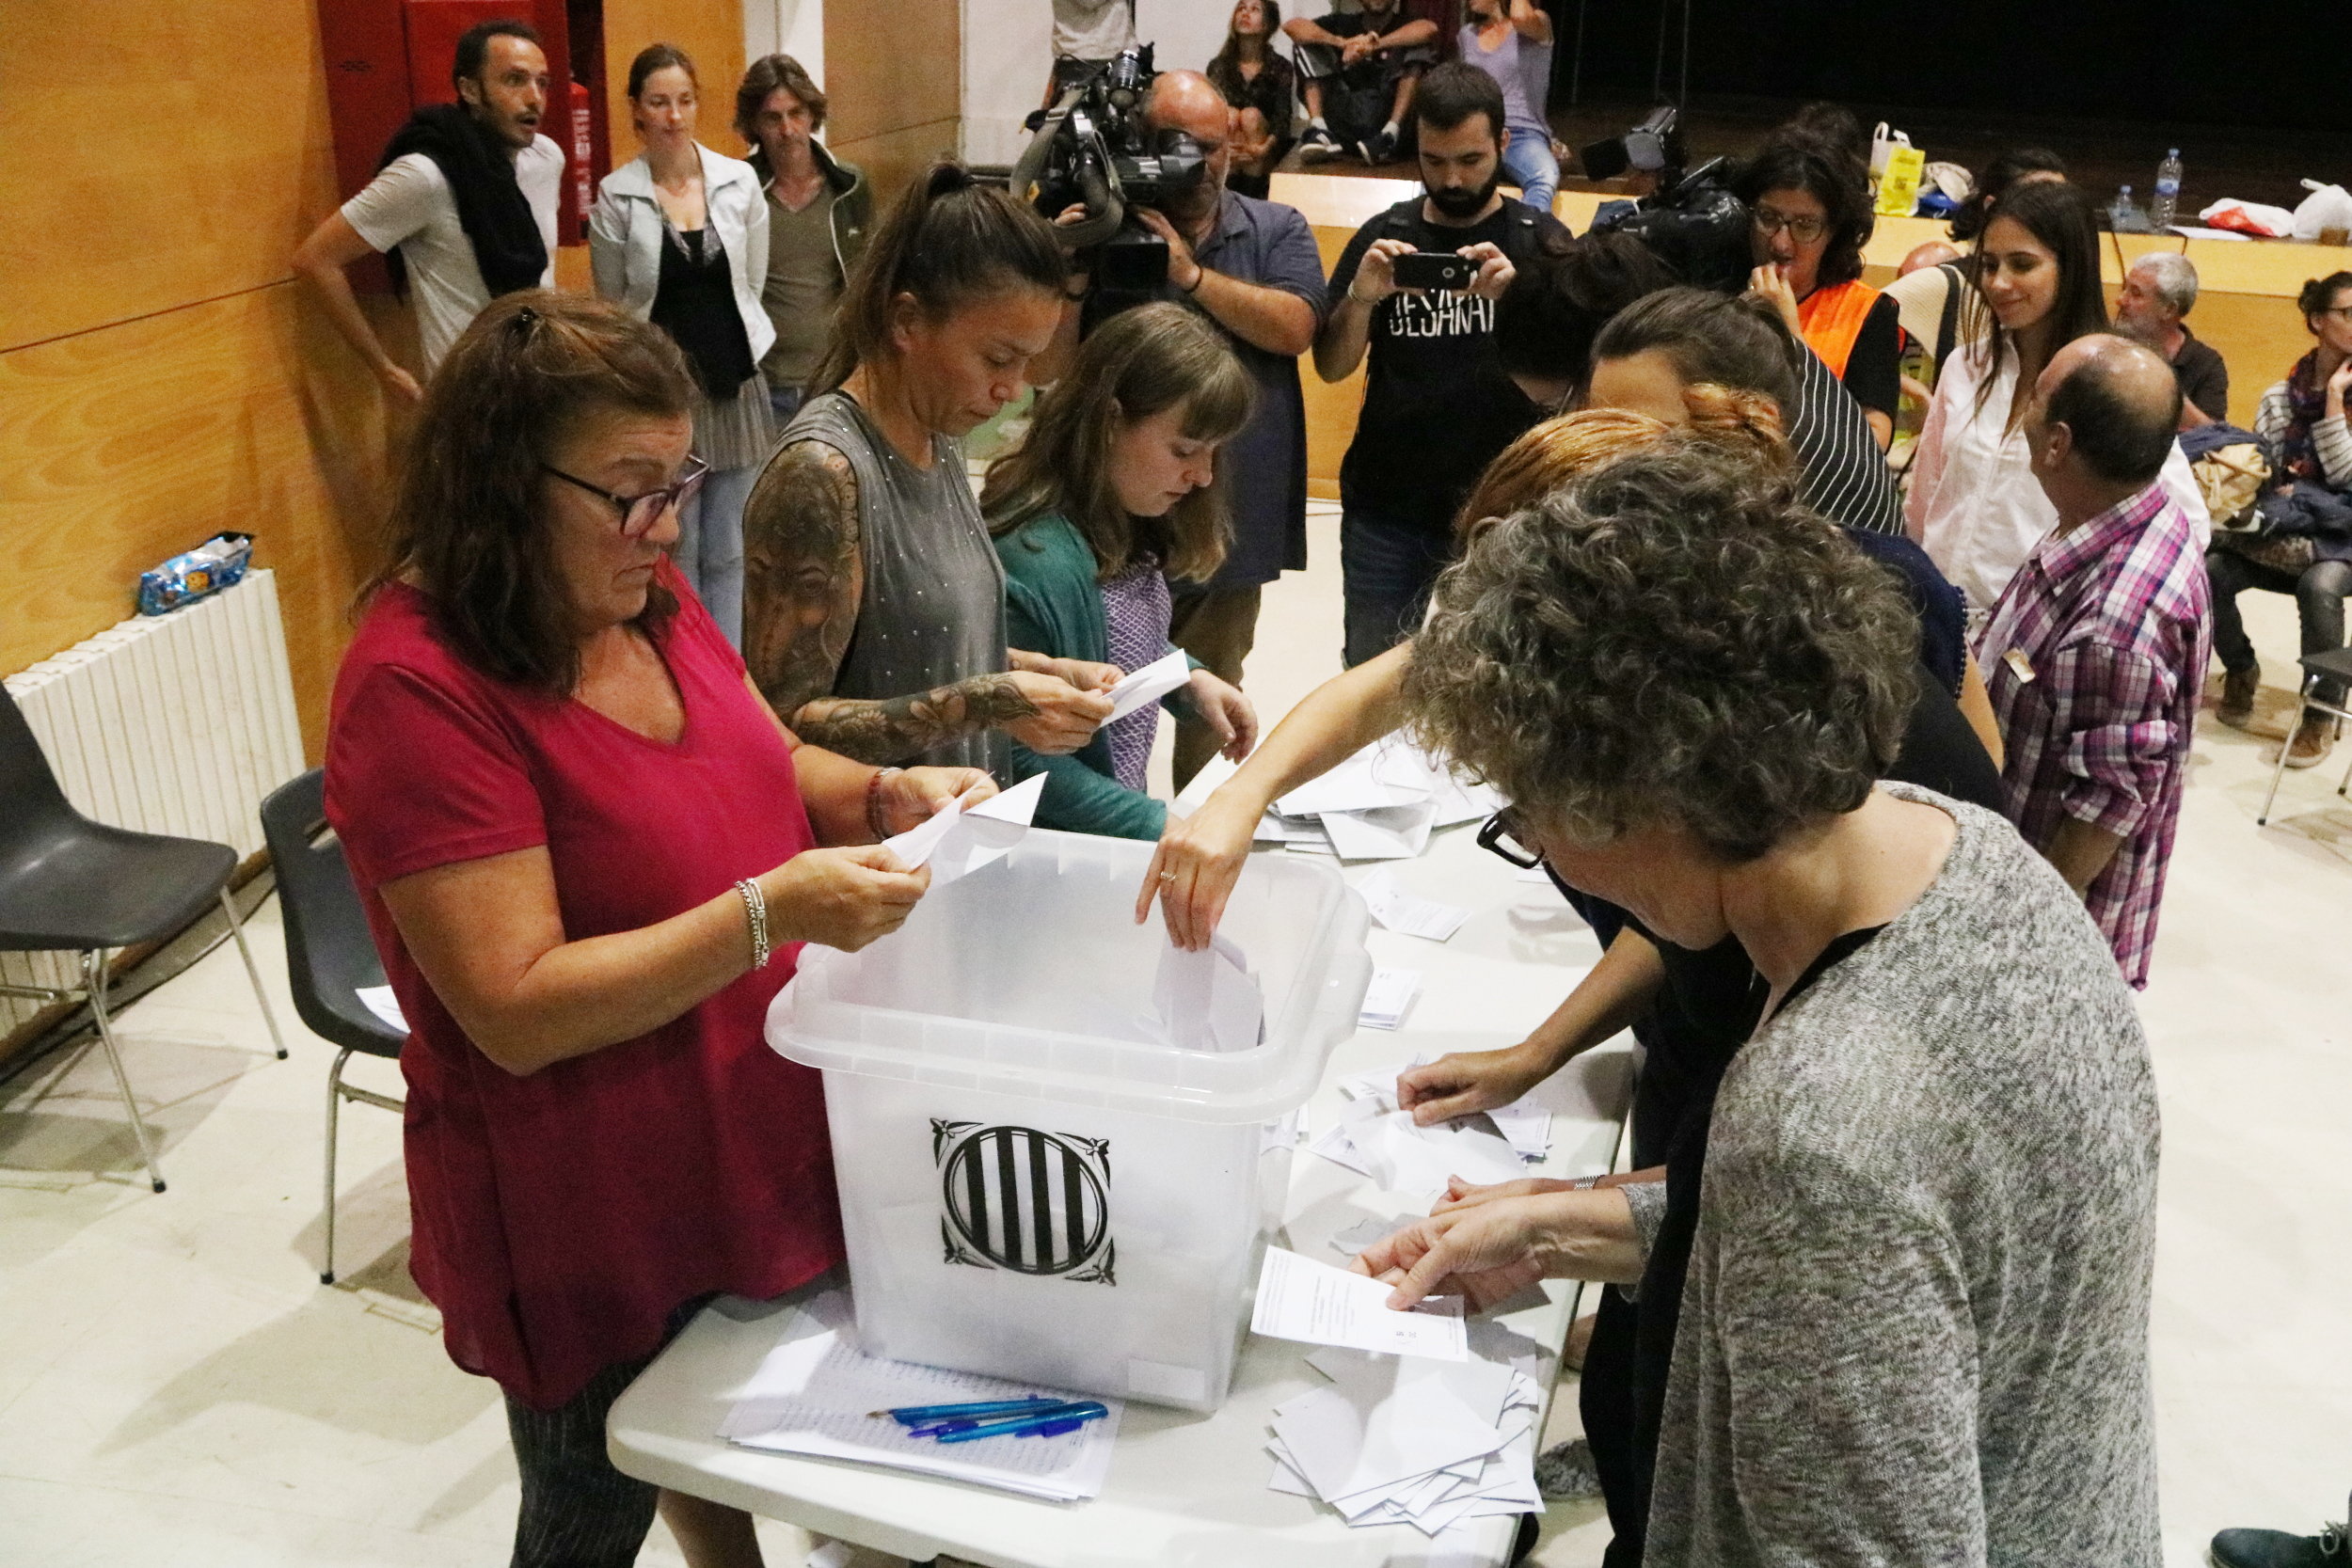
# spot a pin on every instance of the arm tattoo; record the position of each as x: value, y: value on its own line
x: 804, y: 575
x: 897, y: 728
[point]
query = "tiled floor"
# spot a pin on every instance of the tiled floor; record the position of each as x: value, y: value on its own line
x: 177, y: 1390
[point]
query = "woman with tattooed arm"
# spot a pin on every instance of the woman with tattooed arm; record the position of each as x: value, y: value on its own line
x: 874, y: 603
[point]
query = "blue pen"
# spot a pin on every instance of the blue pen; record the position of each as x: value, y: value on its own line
x: 911, y: 1415
x: 1056, y: 1410
x: 1053, y: 1423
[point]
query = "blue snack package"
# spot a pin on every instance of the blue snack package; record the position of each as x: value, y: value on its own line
x: 214, y: 564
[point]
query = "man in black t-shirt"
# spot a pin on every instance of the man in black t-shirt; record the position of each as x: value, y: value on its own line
x: 1437, y: 407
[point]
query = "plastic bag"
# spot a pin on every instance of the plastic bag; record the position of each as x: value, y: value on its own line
x: 2248, y: 217
x: 2325, y: 216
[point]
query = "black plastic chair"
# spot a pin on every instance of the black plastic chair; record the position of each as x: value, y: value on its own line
x: 330, y: 953
x: 2335, y: 666
x: 67, y: 884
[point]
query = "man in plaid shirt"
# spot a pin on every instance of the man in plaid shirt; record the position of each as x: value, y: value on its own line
x: 2095, y: 655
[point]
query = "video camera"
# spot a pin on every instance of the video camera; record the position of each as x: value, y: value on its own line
x: 1693, y: 224
x: 1092, y: 149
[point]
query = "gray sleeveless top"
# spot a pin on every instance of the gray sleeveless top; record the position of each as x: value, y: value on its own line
x: 933, y: 611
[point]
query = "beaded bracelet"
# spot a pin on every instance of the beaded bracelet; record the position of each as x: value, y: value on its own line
x: 873, y: 800
x: 756, y: 916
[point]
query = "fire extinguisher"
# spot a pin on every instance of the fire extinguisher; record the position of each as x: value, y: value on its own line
x: 583, y: 165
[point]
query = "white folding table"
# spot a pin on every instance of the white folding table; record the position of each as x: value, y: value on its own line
x: 1186, y: 1490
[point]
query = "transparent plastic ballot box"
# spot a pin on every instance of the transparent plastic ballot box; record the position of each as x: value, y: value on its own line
x: 1043, y: 1173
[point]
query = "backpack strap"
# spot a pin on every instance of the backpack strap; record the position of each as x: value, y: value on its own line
x: 1948, y: 324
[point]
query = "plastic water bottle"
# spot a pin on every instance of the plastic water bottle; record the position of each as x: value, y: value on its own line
x: 2124, y: 215
x: 2168, y: 199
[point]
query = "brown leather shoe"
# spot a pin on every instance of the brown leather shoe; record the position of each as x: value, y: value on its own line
x: 2236, y: 707
x: 2313, y: 739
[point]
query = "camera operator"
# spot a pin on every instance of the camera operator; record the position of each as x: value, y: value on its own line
x: 1437, y: 407
x: 1252, y: 268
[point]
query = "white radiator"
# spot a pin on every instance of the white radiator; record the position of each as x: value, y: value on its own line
x: 175, y: 723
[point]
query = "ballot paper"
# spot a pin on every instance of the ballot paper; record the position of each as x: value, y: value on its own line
x: 1388, y: 772
x: 817, y: 1393
x: 1382, y: 833
x: 1409, y: 914
x: 1389, y: 998
x: 1523, y: 1124
x: 1207, y: 999
x: 1357, y: 1236
x: 1299, y: 1298
x: 962, y: 836
x: 1426, y: 1443
x: 1148, y: 684
x: 380, y: 1000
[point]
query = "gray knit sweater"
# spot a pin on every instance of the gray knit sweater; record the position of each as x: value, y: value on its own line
x: 1916, y: 1326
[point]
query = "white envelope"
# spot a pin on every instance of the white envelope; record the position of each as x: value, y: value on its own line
x: 1147, y: 685
x: 1381, y: 833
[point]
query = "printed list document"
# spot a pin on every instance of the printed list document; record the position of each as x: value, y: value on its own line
x: 817, y: 1394
x: 1299, y: 1298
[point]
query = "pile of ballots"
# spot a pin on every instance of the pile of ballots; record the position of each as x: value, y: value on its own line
x: 1380, y: 804
x: 1403, y: 1439
x: 1375, y: 1139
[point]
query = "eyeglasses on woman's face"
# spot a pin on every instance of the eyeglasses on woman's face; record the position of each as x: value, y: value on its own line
x: 639, y: 513
x: 1804, y: 229
x: 1499, y: 834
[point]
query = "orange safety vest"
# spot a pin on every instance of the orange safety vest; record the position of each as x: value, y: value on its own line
x: 1833, y: 318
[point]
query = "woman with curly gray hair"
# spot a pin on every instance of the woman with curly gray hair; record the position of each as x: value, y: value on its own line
x: 1915, y: 1326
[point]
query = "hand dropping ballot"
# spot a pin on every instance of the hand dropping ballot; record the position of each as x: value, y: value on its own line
x: 961, y: 837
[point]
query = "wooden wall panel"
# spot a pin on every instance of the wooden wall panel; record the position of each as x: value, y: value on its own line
x: 128, y: 445
x: 710, y: 32
x: 895, y: 92
x: 159, y: 152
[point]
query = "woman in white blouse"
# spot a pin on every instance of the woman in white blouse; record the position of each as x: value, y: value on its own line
x: 679, y: 237
x: 1975, y: 505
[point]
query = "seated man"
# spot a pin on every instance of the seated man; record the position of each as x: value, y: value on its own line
x: 2157, y: 295
x: 2107, y: 623
x: 1915, y: 1324
x: 1357, y: 74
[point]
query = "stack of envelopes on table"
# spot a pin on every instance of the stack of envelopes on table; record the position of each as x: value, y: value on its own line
x: 1380, y: 804
x: 1409, y: 1440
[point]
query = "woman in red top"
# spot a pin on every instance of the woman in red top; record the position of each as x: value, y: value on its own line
x: 1811, y: 206
x: 587, y: 851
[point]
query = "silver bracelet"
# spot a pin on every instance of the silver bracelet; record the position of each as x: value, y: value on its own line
x: 756, y: 916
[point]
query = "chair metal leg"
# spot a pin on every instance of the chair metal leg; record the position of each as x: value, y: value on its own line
x: 94, y: 981
x: 2284, y: 746
x: 236, y: 930
x: 334, y: 1121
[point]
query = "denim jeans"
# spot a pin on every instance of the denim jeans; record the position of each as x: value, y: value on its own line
x: 710, y: 547
x: 2319, y: 590
x: 1527, y: 161
x: 1386, y: 569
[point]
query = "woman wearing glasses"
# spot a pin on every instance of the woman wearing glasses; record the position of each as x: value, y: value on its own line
x: 589, y: 855
x: 1811, y: 210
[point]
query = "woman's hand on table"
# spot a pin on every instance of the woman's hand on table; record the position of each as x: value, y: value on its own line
x: 1486, y: 1254
x: 1195, y: 867
x: 1468, y: 1081
x: 1224, y: 709
x: 909, y: 797
x: 842, y: 898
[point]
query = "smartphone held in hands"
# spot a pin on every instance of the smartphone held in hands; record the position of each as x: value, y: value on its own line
x: 1434, y: 269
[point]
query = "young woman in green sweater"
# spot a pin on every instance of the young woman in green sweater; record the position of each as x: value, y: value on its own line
x: 1114, y: 492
